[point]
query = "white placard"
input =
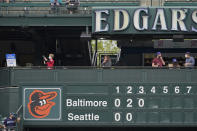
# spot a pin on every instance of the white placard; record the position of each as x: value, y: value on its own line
x: 11, y: 60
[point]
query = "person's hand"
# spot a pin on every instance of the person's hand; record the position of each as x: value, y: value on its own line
x: 4, y: 126
x: 18, y: 119
x: 104, y: 61
x: 45, y: 58
x: 155, y: 65
x: 160, y: 57
x: 186, y: 64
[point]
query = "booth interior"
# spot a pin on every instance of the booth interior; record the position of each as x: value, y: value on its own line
x: 70, y: 48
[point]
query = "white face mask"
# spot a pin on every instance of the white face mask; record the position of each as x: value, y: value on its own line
x: 185, y: 56
x: 49, y: 57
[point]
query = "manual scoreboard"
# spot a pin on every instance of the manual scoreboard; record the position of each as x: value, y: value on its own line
x: 134, y: 104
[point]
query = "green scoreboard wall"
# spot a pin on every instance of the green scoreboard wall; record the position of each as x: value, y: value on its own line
x: 128, y: 104
x: 103, y: 97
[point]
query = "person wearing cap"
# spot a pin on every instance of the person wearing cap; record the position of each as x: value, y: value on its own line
x: 158, y: 61
x: 10, y: 122
x: 189, y: 61
x: 175, y: 63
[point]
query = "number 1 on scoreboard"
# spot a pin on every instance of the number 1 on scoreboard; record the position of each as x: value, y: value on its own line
x: 117, y: 89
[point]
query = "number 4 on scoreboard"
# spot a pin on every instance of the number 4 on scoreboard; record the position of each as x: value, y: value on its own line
x: 153, y: 90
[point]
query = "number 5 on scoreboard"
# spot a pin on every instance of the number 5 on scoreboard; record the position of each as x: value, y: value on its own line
x: 165, y: 89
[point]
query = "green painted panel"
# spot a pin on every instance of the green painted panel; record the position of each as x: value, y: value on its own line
x: 99, y: 104
x: 141, y: 20
x: 46, y: 20
x: 9, y: 99
x: 180, y: 4
x: 94, y: 4
x: 76, y: 75
x: 82, y: 4
x: 4, y: 77
x: 18, y: 76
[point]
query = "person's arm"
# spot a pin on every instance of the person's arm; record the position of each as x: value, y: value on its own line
x: 104, y: 61
x: 5, y: 123
x: 192, y: 62
x: 153, y: 63
x: 163, y: 62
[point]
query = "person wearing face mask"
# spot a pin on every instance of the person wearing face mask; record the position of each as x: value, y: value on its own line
x: 189, y: 61
x: 158, y: 61
x: 106, y: 62
x: 49, y: 62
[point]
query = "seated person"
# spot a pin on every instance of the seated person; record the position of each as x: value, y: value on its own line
x: 106, y: 62
x: 72, y: 5
x: 55, y: 2
x: 175, y: 63
x: 72, y: 2
x: 10, y: 122
x: 189, y: 61
x: 158, y: 61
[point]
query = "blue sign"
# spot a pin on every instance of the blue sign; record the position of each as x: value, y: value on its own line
x: 11, y: 60
x: 10, y: 56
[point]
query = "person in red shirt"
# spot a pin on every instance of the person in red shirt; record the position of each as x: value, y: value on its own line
x: 49, y: 62
x: 158, y: 61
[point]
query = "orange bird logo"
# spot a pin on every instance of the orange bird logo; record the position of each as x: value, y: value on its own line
x: 40, y: 103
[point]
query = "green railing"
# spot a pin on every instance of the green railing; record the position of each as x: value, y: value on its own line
x: 44, y: 8
x: 180, y: 3
x: 94, y: 74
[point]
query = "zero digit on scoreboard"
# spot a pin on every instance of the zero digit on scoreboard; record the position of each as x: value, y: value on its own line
x: 140, y: 102
x: 129, y: 117
x: 117, y: 102
x: 117, y: 116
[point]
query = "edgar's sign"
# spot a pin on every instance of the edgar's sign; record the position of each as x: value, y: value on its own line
x: 42, y: 103
x: 133, y: 20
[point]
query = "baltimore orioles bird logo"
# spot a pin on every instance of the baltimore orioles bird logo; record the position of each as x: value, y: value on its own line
x: 40, y: 103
